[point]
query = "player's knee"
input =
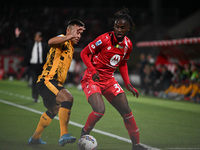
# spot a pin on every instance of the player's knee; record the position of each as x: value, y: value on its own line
x: 69, y: 98
x: 100, y: 110
x: 63, y: 96
x: 54, y: 110
x: 125, y: 111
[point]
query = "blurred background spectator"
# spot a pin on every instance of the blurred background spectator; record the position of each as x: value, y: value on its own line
x: 34, y: 58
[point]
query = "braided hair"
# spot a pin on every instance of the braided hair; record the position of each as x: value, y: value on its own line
x: 123, y: 14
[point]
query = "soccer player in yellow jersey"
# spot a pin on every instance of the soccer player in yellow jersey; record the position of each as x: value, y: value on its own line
x: 56, y: 98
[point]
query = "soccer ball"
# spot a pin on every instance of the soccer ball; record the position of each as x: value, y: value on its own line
x: 87, y: 142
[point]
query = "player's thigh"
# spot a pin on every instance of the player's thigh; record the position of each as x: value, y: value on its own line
x: 111, y: 89
x: 48, y: 92
x: 90, y: 87
x: 116, y: 96
x: 120, y: 103
x: 64, y: 95
x: 93, y: 94
x: 97, y: 103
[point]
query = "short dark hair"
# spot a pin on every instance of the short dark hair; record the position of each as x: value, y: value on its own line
x: 38, y: 33
x: 76, y: 22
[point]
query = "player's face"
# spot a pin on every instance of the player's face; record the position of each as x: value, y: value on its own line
x: 121, y: 27
x: 78, y: 33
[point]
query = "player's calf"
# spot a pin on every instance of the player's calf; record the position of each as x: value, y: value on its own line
x: 93, y: 118
x: 132, y: 128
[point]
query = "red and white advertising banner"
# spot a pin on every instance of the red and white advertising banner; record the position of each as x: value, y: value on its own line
x: 179, y: 54
x: 176, y: 51
x: 194, y: 40
x: 10, y: 64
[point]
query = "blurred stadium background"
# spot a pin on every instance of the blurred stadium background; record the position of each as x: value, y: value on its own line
x: 154, y: 19
x: 154, y: 67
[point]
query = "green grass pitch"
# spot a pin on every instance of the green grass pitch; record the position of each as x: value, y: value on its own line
x: 164, y: 124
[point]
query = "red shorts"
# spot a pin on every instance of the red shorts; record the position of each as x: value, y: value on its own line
x: 109, y: 88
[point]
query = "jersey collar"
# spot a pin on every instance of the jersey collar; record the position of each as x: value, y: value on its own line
x: 115, y: 41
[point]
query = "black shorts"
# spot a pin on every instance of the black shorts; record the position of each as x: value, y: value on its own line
x: 49, y: 90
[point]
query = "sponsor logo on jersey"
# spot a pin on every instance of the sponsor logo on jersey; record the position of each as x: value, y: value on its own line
x: 119, y: 46
x: 99, y: 42
x: 94, y: 87
x: 109, y: 47
x: 114, y: 60
x: 93, y: 46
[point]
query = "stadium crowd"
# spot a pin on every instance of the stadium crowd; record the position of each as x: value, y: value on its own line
x: 183, y: 83
x: 31, y: 20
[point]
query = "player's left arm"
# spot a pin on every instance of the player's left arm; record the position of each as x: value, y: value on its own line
x: 123, y: 68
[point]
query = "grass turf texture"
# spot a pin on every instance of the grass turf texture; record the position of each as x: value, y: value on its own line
x: 163, y: 123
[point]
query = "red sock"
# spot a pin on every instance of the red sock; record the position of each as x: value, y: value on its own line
x: 92, y: 120
x: 132, y: 128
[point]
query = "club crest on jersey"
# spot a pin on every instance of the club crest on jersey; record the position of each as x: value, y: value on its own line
x: 114, y: 60
x: 99, y: 42
x: 119, y: 46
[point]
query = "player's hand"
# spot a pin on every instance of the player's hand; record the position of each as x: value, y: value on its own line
x: 133, y: 90
x: 80, y: 29
x: 74, y: 32
x: 95, y: 77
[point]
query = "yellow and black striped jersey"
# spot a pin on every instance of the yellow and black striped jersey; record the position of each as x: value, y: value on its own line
x: 58, y: 63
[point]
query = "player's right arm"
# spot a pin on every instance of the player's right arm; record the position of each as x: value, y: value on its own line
x: 85, y: 56
x: 92, y: 48
x: 58, y: 40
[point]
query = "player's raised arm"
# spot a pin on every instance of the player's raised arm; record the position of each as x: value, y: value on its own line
x: 72, y: 33
x: 58, y: 40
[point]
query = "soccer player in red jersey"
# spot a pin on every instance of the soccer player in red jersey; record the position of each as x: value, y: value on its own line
x: 102, y: 56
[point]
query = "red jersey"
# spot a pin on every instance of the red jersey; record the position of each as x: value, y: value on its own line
x: 108, y: 53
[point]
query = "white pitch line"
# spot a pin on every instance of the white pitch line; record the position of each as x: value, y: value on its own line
x: 16, y: 95
x: 74, y: 123
x: 183, y: 148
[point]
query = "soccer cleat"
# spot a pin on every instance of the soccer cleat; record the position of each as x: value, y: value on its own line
x: 139, y: 147
x: 83, y: 132
x: 33, y: 141
x: 66, y: 138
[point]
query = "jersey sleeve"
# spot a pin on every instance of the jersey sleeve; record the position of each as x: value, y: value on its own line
x: 60, y: 35
x: 62, y: 46
x: 128, y: 54
x: 96, y: 45
x: 85, y: 56
x: 123, y: 68
x: 129, y: 47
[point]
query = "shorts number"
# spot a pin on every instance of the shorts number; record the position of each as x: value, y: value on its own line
x: 117, y: 87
